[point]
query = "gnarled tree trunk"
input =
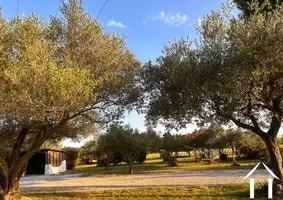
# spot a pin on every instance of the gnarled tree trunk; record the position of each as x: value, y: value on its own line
x: 13, y: 192
x: 11, y: 177
x: 13, y: 167
x: 276, y: 160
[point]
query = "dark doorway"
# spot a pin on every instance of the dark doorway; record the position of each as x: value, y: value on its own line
x: 36, y: 164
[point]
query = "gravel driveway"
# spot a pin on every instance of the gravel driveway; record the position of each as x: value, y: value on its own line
x: 76, y: 182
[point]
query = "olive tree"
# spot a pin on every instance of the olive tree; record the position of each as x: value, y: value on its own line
x: 246, y: 6
x: 232, y: 73
x: 88, y: 151
x: 125, y: 140
x: 57, y: 76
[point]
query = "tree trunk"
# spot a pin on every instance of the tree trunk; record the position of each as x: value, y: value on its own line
x: 11, y: 189
x: 235, y: 163
x: 13, y: 192
x: 276, y: 160
x: 14, y: 166
x: 131, y: 170
x: 108, y: 162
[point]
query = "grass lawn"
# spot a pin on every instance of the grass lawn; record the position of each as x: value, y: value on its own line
x: 201, y: 193
x: 154, y: 164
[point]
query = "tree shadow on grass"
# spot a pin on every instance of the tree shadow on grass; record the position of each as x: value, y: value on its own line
x: 225, y: 192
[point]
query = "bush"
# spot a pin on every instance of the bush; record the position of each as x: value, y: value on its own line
x: 73, y: 157
x: 102, y: 160
x: 250, y: 153
x: 172, y: 161
x: 198, y: 156
x: 249, y: 145
x: 263, y: 187
x: 141, y: 157
x: 163, y: 155
x: 223, y: 156
x: 116, y: 158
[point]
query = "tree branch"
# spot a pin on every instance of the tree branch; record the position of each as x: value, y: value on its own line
x: 4, y: 169
x: 95, y: 121
x: 250, y: 115
x: 243, y: 125
x: 17, y: 147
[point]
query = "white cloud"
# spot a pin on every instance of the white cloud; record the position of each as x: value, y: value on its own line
x: 117, y: 24
x: 171, y: 18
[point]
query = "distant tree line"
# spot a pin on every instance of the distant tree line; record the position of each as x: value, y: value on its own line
x: 125, y: 144
x: 211, y: 143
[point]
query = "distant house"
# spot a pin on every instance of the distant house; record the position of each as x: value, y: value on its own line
x: 47, y: 161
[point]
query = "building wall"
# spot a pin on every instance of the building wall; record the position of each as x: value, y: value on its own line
x: 55, y: 162
x: 49, y: 169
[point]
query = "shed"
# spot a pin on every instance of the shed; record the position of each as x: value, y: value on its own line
x: 47, y: 161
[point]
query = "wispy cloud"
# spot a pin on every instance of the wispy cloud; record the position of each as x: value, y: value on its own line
x: 170, y: 18
x: 117, y: 24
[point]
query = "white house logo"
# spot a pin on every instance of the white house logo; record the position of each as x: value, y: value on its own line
x: 270, y: 181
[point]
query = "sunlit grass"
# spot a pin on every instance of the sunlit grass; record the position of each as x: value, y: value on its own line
x: 155, y: 164
x: 240, y: 191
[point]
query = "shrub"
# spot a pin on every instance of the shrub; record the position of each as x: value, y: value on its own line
x: 223, y: 156
x: 73, y: 157
x: 250, y: 145
x: 163, y: 155
x: 116, y: 158
x: 141, y: 157
x: 249, y: 152
x: 172, y: 161
x: 263, y: 187
x: 198, y: 155
x: 102, y: 160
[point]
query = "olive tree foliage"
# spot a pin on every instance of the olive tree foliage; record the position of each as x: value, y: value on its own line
x: 125, y: 140
x: 106, y: 149
x: 88, y: 151
x: 233, y: 73
x: 56, y: 78
x: 170, y: 147
x: 247, y: 6
x: 154, y: 139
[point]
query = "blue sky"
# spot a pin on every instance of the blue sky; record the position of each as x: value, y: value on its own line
x: 148, y: 25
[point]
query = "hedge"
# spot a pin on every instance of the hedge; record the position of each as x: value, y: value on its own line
x: 72, y: 157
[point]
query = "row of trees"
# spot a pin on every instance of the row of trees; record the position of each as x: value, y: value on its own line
x: 213, y: 143
x: 122, y: 143
x: 232, y: 73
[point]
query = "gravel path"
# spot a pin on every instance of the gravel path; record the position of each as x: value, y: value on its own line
x: 63, y: 183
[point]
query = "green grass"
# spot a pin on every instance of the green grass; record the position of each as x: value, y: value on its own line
x: 154, y: 164
x: 240, y: 191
